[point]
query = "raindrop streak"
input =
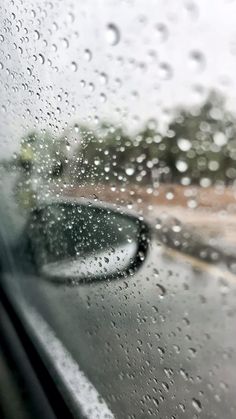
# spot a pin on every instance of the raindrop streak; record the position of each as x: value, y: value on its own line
x: 112, y: 34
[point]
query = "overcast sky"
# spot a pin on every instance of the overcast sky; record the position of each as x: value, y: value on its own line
x: 68, y: 60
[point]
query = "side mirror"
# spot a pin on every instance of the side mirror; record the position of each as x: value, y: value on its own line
x: 82, y: 242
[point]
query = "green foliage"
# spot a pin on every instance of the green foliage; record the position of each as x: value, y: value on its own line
x: 199, y: 147
x: 202, y: 143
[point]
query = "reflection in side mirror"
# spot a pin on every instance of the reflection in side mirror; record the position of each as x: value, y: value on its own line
x: 74, y: 241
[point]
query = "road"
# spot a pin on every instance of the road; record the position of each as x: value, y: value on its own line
x: 161, y: 343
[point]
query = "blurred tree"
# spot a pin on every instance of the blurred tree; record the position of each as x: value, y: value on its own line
x: 40, y: 160
x: 103, y: 156
x: 111, y: 155
x: 199, y: 147
x: 201, y: 144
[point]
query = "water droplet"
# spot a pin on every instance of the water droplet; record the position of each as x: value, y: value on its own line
x: 184, y: 374
x: 161, y: 290
x: 91, y: 87
x: 165, y: 71
x: 29, y: 71
x: 197, y: 405
x: 161, y: 350
x: 97, y: 161
x: 182, y: 407
x: 129, y: 170
x: 155, y: 401
x: 76, y: 128
x: 112, y: 34
x: 41, y: 59
x: 36, y: 35
x: 70, y: 17
x: 192, y: 352
x: 158, y: 226
x: 197, y: 61
x: 103, y: 97
x: 165, y: 386
x: 184, y: 144
x: 162, y: 32
x: 191, y: 9
x: 220, y: 139
x: 74, y: 66
x: 65, y: 43
x: 177, y: 228
x: 103, y: 78
x: 181, y: 166
x: 88, y: 55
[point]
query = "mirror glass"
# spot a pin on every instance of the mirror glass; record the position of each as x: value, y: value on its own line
x: 80, y: 241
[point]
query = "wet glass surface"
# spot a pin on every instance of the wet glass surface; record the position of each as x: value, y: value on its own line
x: 124, y: 113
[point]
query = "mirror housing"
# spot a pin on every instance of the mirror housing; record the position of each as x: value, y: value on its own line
x: 80, y: 241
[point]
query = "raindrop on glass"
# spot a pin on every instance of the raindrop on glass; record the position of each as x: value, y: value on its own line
x: 74, y: 66
x: 112, y: 34
x: 197, y: 61
x: 41, y: 59
x: 36, y: 35
x: 129, y: 170
x: 87, y: 55
x: 162, y: 31
x: 197, y: 405
x: 165, y: 71
x: 161, y: 290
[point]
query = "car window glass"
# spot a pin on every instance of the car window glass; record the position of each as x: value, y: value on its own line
x: 118, y: 199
